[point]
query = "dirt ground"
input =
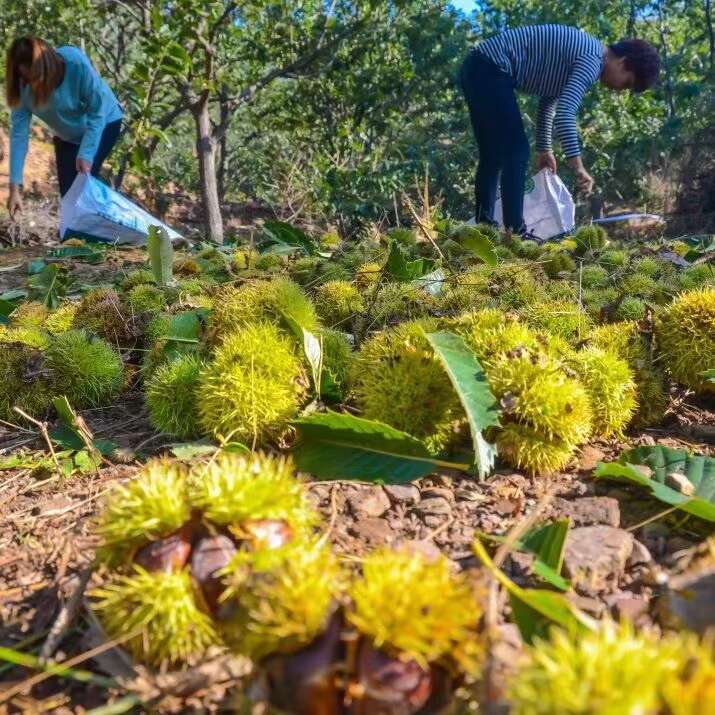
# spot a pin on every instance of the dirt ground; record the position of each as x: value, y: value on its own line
x: 47, y: 545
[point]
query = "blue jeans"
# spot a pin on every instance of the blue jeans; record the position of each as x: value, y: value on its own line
x: 66, y: 155
x: 499, y: 131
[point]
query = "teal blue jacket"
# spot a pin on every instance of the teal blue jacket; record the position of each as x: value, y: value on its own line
x: 77, y: 111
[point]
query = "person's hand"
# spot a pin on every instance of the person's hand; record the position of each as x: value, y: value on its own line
x: 14, y: 201
x: 83, y: 166
x: 546, y: 160
x: 584, y: 182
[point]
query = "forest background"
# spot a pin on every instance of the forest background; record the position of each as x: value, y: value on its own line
x: 328, y: 110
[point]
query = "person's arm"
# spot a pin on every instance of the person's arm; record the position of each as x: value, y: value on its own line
x: 20, y: 120
x: 19, y: 140
x: 544, y: 130
x: 584, y: 73
x: 90, y: 89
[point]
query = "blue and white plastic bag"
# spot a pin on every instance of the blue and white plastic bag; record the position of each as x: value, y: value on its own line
x: 549, y: 208
x: 93, y: 211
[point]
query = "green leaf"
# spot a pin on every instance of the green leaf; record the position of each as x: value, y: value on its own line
x: 547, y: 543
x: 709, y: 375
x: 14, y: 294
x: 471, y: 384
x: 161, y: 255
x: 341, y: 446
x: 6, y: 309
x: 49, y: 285
x: 535, y: 611
x: 283, y: 233
x: 699, y: 470
x: 67, y: 433
x: 403, y: 270
x: 88, y: 253
x: 481, y: 247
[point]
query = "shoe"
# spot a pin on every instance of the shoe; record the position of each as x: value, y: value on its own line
x: 528, y: 235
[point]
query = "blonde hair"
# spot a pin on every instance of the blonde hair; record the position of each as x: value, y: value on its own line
x: 46, y: 70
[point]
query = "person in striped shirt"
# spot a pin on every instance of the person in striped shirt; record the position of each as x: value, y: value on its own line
x: 558, y: 64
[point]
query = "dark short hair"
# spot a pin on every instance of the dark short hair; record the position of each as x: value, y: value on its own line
x: 642, y: 59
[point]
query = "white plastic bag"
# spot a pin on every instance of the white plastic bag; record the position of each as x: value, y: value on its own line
x: 93, y: 210
x: 549, y: 209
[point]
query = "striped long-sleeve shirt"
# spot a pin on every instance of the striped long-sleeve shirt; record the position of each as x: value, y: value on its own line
x: 558, y: 64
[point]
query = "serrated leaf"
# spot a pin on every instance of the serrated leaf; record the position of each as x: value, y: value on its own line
x: 471, y: 385
x: 481, y: 247
x: 341, y: 446
x: 535, y: 611
x: 161, y: 255
x: 284, y: 233
x: 400, y: 268
x: 699, y: 470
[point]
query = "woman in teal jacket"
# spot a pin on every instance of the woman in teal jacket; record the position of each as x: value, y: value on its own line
x: 62, y: 88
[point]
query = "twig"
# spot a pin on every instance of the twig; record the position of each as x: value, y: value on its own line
x: 438, y: 530
x: 655, y: 517
x: 333, y: 514
x: 65, y: 618
x: 42, y: 426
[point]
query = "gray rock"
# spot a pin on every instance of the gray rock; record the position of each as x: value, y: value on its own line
x: 432, y: 492
x: 629, y: 608
x: 588, y: 511
x: 689, y: 602
x: 434, y: 506
x: 407, y: 494
x: 640, y: 555
x: 679, y: 482
x: 372, y: 531
x: 595, y: 557
x: 369, y: 501
x: 589, y: 458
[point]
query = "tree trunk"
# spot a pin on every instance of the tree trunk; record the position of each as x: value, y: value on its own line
x: 711, y: 32
x: 206, y: 150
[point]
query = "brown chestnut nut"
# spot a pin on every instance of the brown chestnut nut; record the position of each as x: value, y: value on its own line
x: 209, y: 556
x: 390, y: 686
x: 168, y: 555
x: 304, y: 683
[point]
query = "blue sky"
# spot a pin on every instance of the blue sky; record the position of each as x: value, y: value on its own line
x: 466, y: 5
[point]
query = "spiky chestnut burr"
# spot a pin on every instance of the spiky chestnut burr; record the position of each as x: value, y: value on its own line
x: 161, y: 609
x: 397, y: 379
x: 86, y: 369
x: 685, y: 338
x: 281, y: 599
x: 172, y: 395
x: 418, y: 610
x: 257, y: 495
x: 253, y: 385
x: 337, y: 301
x: 269, y: 301
x: 150, y: 507
x: 610, y: 384
x: 609, y: 671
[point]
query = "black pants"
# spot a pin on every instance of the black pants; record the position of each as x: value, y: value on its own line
x: 500, y: 135
x: 66, y: 155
